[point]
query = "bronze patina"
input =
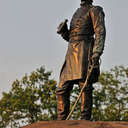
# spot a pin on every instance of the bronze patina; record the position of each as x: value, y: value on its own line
x: 86, y: 37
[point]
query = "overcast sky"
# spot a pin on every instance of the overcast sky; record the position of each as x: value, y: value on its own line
x: 28, y: 36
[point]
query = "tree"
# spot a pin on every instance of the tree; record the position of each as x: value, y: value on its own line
x: 30, y: 100
x: 111, y: 95
x: 33, y: 98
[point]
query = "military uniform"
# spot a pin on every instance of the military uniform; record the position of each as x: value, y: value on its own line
x: 86, y: 38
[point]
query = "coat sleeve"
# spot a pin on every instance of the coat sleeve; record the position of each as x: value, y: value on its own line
x: 97, y: 16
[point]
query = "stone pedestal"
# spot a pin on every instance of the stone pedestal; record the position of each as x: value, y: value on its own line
x: 77, y: 124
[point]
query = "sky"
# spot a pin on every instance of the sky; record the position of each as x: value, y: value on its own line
x: 28, y: 38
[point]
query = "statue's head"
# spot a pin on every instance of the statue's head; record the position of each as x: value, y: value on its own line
x: 86, y: 1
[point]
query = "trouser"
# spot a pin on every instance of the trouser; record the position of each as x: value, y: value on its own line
x: 63, y: 94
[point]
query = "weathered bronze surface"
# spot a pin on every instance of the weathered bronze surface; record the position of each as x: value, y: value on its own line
x: 86, y: 38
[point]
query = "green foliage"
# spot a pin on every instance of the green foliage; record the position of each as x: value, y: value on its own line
x: 30, y: 100
x: 111, y: 95
x: 33, y: 98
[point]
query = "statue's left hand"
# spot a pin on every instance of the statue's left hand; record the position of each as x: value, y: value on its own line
x: 95, y: 59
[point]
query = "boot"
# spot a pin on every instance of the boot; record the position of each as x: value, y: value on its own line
x: 86, y: 103
x: 63, y: 102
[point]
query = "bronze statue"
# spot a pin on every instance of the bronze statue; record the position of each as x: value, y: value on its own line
x: 86, y: 38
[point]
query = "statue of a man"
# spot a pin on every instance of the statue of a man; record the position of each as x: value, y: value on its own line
x: 86, y: 38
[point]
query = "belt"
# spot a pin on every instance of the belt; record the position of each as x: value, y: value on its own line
x: 80, y: 38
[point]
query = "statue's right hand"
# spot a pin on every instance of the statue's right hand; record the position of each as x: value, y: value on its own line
x: 62, y: 27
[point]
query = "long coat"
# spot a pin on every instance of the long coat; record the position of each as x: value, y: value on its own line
x: 86, y: 22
